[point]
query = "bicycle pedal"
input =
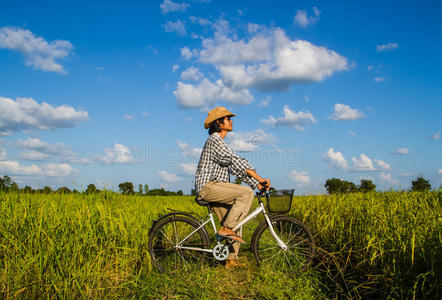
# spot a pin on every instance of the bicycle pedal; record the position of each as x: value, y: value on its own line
x: 229, y: 241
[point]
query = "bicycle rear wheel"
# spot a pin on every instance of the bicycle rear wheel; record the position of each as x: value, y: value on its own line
x: 300, y: 245
x: 165, y: 237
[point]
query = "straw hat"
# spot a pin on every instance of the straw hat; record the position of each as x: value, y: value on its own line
x: 215, y: 114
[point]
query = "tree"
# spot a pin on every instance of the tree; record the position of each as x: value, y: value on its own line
x: 333, y: 186
x: 238, y: 180
x: 140, y: 189
x: 126, y: 188
x: 7, y: 184
x: 420, y: 185
x: 27, y: 189
x: 47, y: 190
x: 91, y: 188
x: 193, y: 192
x: 146, y: 189
x: 180, y: 193
x: 349, y: 187
x: 336, y: 186
x: 366, y: 186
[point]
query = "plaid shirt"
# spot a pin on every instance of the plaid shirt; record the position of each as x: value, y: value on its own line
x: 216, y: 160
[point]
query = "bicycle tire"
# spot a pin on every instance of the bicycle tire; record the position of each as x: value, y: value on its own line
x: 163, y: 238
x: 297, y: 237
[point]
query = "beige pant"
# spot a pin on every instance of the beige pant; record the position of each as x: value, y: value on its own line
x: 233, y: 203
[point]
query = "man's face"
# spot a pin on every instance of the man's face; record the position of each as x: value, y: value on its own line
x: 227, y: 124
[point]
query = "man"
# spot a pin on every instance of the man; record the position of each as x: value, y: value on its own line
x: 232, y: 201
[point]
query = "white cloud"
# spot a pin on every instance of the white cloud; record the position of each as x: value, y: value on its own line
x: 296, y: 120
x: 175, y: 67
x: 49, y: 170
x: 345, y: 113
x: 188, y: 119
x: 167, y: 177
x: 302, y: 19
x: 249, y: 141
x: 436, y: 136
x: 379, y: 79
x: 363, y: 163
x: 188, y: 168
x: 287, y: 63
x: 177, y: 27
x: 387, y: 177
x: 269, y: 60
x: 187, y: 150
x: 401, y: 151
x: 38, y: 52
x: 168, y: 6
x: 439, y: 171
x: 191, y: 73
x: 266, y: 60
x: 224, y: 51
x: 38, y: 150
x: 200, y: 21
x: 382, y: 165
x: 37, y: 145
x: 26, y: 114
x: 57, y: 170
x: 187, y: 54
x: 335, y: 159
x: 300, y: 177
x: 119, y: 154
x: 370, y: 67
x: 264, y: 103
x: 128, y: 117
x: 387, y: 47
x: 408, y: 174
x: 253, y: 28
x: 34, y: 155
x: 307, y: 98
x: 351, y: 133
x: 206, y: 93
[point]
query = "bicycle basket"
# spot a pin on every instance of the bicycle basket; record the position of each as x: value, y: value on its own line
x: 280, y: 201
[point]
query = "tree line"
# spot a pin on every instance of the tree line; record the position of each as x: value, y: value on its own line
x: 125, y: 188
x: 338, y: 186
x: 333, y: 186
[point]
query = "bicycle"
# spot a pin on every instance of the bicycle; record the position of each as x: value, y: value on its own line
x: 179, y: 240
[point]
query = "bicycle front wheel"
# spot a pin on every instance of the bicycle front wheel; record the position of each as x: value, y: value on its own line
x: 167, y: 239
x: 296, y: 236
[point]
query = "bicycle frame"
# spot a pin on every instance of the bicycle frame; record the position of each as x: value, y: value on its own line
x: 255, y: 213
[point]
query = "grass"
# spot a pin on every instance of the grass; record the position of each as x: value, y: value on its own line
x: 95, y: 246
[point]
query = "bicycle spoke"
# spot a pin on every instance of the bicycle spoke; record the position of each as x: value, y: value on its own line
x: 295, y: 236
x: 164, y: 241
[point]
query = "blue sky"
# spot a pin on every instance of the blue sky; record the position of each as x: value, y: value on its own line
x: 115, y: 91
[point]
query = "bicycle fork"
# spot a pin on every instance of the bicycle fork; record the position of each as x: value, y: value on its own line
x: 256, y: 212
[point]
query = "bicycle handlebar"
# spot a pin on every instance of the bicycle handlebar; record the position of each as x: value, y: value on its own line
x: 264, y: 188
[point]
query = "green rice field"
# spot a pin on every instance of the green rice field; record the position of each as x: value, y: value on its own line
x: 375, y: 245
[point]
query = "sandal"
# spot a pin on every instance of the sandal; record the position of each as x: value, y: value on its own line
x: 230, y: 234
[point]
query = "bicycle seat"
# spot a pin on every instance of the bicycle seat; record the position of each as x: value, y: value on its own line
x: 202, y: 202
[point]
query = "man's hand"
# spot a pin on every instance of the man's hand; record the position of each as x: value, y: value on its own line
x: 265, y: 183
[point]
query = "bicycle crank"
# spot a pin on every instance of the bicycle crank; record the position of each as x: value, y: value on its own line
x: 221, y: 252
